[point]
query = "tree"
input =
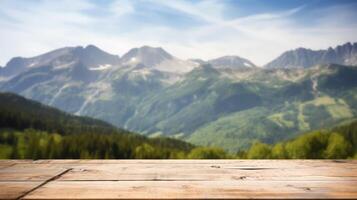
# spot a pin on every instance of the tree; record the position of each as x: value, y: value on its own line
x: 338, y: 147
x: 278, y: 151
x: 14, y: 152
x: 145, y: 151
x: 207, y: 153
x: 307, y: 146
x: 259, y: 151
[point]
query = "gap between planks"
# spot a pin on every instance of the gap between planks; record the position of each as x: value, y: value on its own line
x: 44, y: 183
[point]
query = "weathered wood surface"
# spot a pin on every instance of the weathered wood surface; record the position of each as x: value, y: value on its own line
x: 178, y: 179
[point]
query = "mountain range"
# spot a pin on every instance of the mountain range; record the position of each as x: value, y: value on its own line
x: 303, y: 58
x: 227, y: 102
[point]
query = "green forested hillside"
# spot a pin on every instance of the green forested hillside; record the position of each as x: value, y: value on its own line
x: 21, y: 113
x: 228, y: 108
x: 226, y: 102
x: 335, y: 143
x: 31, y: 130
x: 34, y: 131
x: 233, y: 108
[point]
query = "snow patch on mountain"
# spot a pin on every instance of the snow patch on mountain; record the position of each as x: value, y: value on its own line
x: 176, y: 65
x: 101, y: 67
x: 143, y: 73
x: 33, y: 64
x: 247, y: 64
x: 64, y: 65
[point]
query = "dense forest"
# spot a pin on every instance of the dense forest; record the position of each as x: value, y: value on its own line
x: 30, y: 130
x: 336, y: 143
x: 35, y: 144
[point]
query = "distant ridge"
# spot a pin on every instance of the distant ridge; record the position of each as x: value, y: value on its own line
x: 303, y: 58
x: 91, y: 56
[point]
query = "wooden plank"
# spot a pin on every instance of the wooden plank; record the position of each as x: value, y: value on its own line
x: 13, y: 190
x: 278, y: 163
x: 195, y: 190
x: 205, y: 172
x: 240, y: 165
x: 8, y: 163
x: 16, y: 161
x: 30, y: 172
x: 196, y: 175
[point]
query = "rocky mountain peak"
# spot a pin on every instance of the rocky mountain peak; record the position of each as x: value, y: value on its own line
x: 90, y: 56
x: 345, y: 54
x: 233, y: 62
x: 149, y: 56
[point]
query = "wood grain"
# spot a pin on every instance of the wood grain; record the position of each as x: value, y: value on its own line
x: 195, y: 190
x: 13, y: 190
x: 30, y: 172
x: 178, y: 179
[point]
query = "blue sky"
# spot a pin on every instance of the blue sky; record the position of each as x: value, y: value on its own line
x: 258, y: 30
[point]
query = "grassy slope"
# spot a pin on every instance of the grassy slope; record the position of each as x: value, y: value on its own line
x: 301, y: 109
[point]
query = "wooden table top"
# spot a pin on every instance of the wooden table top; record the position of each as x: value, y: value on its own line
x: 178, y: 179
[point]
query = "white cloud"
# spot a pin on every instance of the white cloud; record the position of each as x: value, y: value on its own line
x: 122, y: 7
x: 209, y: 10
x: 28, y: 29
x: 262, y: 37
